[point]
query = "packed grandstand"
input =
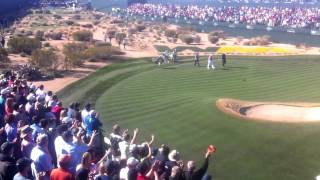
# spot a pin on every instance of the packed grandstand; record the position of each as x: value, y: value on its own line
x: 301, y: 17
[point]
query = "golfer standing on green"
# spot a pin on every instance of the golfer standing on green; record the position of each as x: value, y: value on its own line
x: 224, y: 59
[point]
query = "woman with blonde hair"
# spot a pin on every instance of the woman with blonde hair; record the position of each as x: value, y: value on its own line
x: 83, y: 168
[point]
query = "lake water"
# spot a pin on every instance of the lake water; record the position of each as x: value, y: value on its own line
x: 301, y: 36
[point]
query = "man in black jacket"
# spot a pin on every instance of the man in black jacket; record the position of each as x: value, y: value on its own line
x: 224, y: 59
x: 7, y: 163
x: 192, y: 173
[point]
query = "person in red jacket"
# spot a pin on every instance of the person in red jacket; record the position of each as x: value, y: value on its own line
x: 62, y: 173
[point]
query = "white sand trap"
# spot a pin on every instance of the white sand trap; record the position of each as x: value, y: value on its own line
x: 271, y: 111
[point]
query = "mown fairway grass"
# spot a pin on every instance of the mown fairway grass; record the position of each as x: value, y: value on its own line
x: 177, y: 104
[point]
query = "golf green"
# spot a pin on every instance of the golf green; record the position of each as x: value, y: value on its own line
x: 176, y: 103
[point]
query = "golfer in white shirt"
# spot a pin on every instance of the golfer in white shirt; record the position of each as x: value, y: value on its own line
x: 210, y: 62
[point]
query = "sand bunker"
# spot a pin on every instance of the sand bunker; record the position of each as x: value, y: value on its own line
x: 271, y: 111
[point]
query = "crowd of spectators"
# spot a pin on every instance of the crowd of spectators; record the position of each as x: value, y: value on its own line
x: 42, y: 139
x: 301, y: 17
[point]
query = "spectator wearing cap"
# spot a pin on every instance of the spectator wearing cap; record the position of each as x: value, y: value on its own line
x: 92, y: 123
x: 56, y: 109
x: 21, y: 115
x: 164, y: 151
x: 24, y: 168
x: 30, y: 106
x: 7, y: 163
x: 3, y: 97
x: 36, y: 128
x: 11, y: 128
x: 129, y: 172
x: 77, y: 112
x: 53, y: 101
x: 42, y: 162
x: 64, y: 117
x: 174, y: 157
x: 48, y: 97
x: 84, y: 113
x: 40, y: 92
x: 9, y: 106
x: 71, y: 113
x: 62, y: 173
x: 83, y: 168
x: 27, y: 143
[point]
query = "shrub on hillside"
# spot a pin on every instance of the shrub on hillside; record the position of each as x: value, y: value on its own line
x: 105, y: 52
x: 69, y: 22
x: 46, y: 44
x: 82, y: 35
x: 76, y: 17
x: 101, y: 44
x: 74, y: 54
x: 54, y: 35
x: 56, y: 16
x: 171, y: 33
x: 44, y: 59
x: 46, y: 12
x: 186, y: 38
x: 39, y: 35
x: 120, y: 37
x: 3, y: 55
x: 28, y: 33
x: 23, y: 45
x: 117, y: 21
x: 213, y: 39
x: 132, y: 31
x: 140, y: 27
x: 111, y: 33
x: 87, y: 25
x: 97, y: 16
x: 219, y: 34
x: 196, y: 39
x: 96, y: 22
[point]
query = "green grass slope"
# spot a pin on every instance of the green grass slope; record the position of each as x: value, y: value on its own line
x: 177, y: 104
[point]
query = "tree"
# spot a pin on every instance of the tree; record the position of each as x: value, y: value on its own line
x: 3, y: 55
x: 39, y: 35
x: 110, y: 34
x: 186, y: 38
x: 82, y: 35
x: 102, y: 52
x: 24, y: 45
x: 219, y: 34
x: 140, y: 27
x: 171, y: 33
x: 213, y: 39
x: 196, y: 39
x: 74, y: 54
x: 54, y: 35
x: 120, y: 37
x: 44, y: 59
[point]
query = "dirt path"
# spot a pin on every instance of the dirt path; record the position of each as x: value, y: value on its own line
x: 74, y: 75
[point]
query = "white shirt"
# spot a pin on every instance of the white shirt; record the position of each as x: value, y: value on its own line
x: 41, y: 161
x: 124, y: 173
x: 41, y: 93
x: 124, y: 149
x: 84, y: 114
x: 28, y: 107
x: 58, y: 145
